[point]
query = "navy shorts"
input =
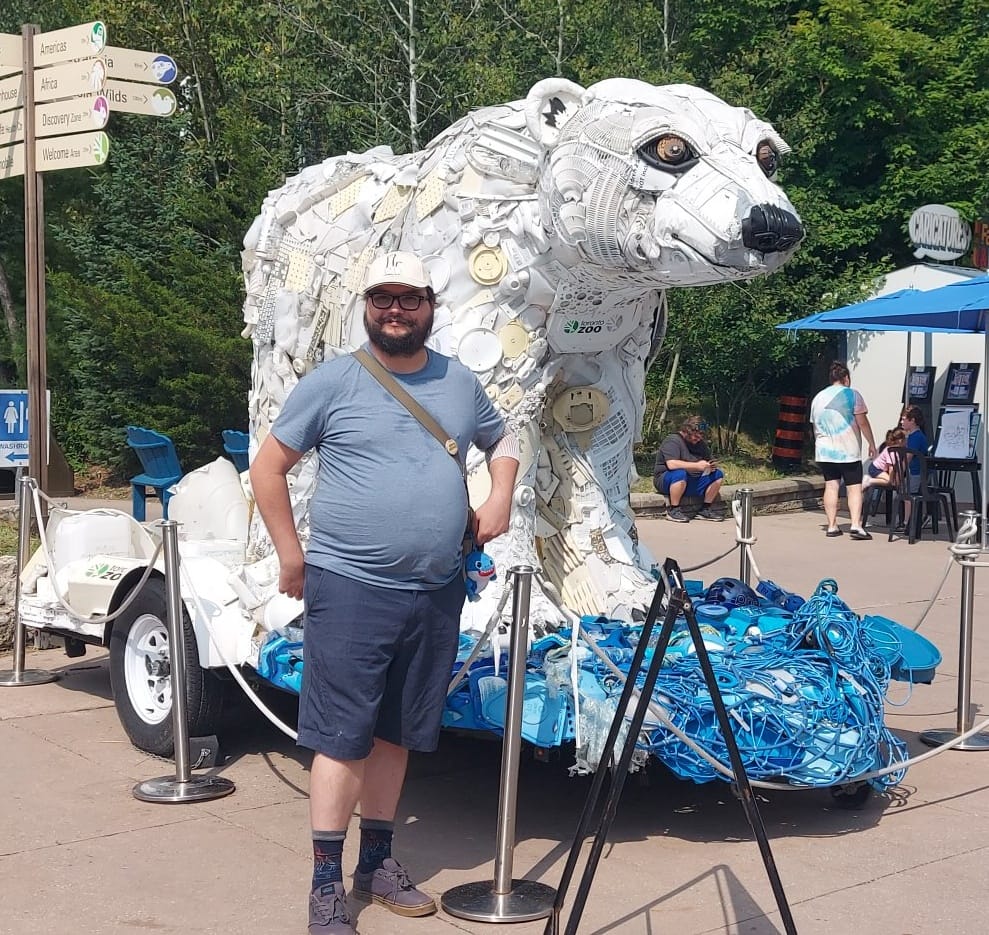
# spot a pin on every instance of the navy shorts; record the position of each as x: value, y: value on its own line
x: 377, y: 664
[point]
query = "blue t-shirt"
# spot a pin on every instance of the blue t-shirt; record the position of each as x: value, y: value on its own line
x: 390, y: 506
x: 916, y: 441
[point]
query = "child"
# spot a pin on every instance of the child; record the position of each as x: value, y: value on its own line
x: 880, y: 470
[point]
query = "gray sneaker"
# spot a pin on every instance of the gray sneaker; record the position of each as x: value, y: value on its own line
x: 328, y: 913
x: 714, y: 514
x: 675, y: 515
x: 390, y: 886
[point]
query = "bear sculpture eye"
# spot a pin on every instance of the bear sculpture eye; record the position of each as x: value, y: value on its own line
x: 767, y: 157
x: 668, y: 152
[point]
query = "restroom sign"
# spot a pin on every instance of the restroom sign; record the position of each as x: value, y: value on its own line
x: 14, y: 429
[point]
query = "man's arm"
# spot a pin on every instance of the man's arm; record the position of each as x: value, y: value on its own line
x: 687, y: 460
x: 865, y: 428
x: 268, y: 481
x: 492, y: 517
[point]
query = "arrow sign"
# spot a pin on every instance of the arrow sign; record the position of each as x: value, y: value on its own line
x: 11, y: 92
x: 12, y: 126
x: 12, y: 161
x: 64, y: 45
x: 11, y: 53
x: 69, y: 80
x: 75, y: 115
x: 131, y: 98
x: 71, y: 152
x: 135, y: 65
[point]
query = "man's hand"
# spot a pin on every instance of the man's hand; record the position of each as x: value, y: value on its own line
x: 272, y: 462
x: 491, y: 518
x: 291, y: 575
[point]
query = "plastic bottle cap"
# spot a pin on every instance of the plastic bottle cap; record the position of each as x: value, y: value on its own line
x: 487, y: 265
x: 514, y: 339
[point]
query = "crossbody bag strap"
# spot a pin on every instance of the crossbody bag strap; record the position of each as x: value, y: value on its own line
x: 381, y: 374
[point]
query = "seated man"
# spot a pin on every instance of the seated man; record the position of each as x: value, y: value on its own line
x: 684, y: 465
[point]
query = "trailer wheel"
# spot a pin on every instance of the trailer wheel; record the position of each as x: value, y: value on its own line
x: 140, y: 675
x: 851, y: 795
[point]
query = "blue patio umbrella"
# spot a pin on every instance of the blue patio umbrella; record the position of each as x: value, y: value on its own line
x: 958, y: 308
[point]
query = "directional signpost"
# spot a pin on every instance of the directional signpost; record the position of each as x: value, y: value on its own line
x: 64, y: 45
x: 12, y: 161
x: 69, y: 80
x: 75, y: 115
x: 12, y: 126
x: 135, y: 65
x: 11, y: 92
x: 57, y: 90
x: 132, y: 98
x: 11, y: 53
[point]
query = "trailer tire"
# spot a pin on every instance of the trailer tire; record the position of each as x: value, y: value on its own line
x: 140, y: 672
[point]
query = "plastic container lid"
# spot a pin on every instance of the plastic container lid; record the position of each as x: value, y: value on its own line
x: 480, y: 349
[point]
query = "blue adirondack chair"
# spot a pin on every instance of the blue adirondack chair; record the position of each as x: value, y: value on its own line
x: 161, y: 469
x: 235, y: 445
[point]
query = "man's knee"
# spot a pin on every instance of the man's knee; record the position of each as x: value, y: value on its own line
x: 673, y: 482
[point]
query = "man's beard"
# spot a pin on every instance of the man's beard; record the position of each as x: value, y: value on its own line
x: 398, y: 346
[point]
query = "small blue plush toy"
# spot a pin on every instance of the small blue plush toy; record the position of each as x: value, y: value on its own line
x: 479, y: 569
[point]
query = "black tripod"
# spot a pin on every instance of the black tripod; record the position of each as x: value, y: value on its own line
x: 678, y: 603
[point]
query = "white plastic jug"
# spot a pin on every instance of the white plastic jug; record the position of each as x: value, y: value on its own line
x: 210, y: 503
x: 81, y: 535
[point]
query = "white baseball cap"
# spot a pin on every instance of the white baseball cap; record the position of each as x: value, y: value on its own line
x: 403, y: 269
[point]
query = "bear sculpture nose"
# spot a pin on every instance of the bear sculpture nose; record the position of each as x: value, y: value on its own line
x: 769, y: 229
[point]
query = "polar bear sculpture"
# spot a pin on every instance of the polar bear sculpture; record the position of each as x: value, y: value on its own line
x: 550, y: 227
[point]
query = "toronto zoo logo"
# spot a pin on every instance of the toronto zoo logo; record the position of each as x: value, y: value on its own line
x: 572, y: 326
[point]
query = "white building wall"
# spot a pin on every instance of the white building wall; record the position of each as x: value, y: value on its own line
x: 877, y: 359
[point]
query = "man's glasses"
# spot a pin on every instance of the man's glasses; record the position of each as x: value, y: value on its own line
x: 407, y: 302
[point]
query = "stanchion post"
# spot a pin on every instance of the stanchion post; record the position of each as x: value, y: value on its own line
x: 935, y: 738
x: 183, y: 786
x: 505, y: 899
x: 18, y: 676
x: 744, y: 562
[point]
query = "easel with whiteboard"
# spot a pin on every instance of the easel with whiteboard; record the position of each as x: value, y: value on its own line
x: 955, y: 448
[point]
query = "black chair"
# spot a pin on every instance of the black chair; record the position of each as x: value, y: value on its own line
x: 917, y: 490
x: 875, y: 496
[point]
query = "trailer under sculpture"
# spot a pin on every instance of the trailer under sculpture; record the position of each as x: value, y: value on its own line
x: 551, y: 227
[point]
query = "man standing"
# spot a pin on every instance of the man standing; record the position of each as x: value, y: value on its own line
x: 382, y: 575
x: 839, y: 416
x: 684, y: 466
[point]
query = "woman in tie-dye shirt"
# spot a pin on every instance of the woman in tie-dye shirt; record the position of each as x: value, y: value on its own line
x: 839, y: 416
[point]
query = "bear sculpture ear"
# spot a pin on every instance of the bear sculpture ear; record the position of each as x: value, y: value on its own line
x: 549, y: 105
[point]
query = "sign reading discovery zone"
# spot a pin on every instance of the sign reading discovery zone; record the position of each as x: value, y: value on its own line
x: 76, y: 115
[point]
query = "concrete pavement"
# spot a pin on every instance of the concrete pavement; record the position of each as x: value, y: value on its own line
x: 78, y: 854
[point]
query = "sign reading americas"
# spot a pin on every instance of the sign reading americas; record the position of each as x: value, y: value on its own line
x: 939, y: 232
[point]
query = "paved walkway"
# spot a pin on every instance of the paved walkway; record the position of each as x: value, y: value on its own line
x: 80, y: 855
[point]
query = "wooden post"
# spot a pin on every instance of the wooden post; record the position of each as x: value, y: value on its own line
x: 34, y: 265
